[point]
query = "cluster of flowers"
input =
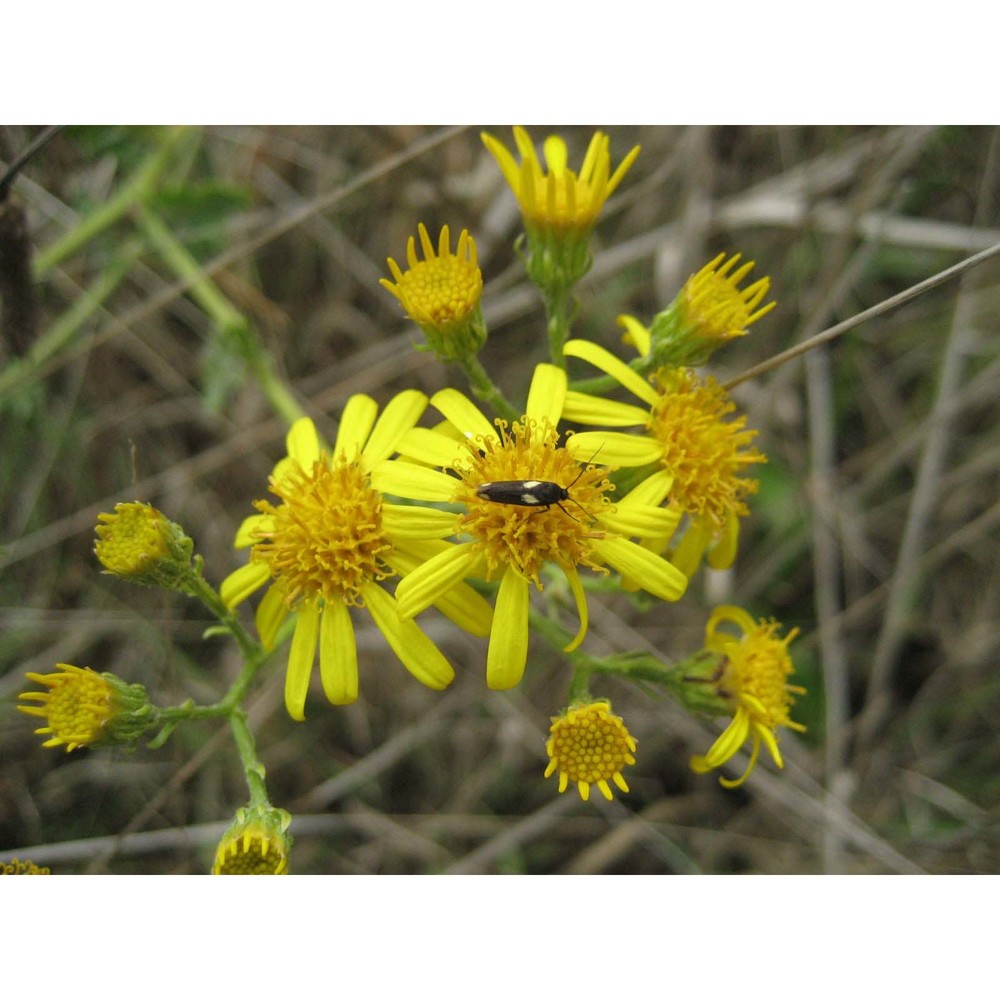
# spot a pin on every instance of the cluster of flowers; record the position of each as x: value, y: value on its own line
x: 394, y: 517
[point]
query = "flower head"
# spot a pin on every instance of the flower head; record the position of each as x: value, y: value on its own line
x: 255, y: 844
x: 513, y: 539
x: 710, y: 310
x: 15, y: 867
x: 140, y: 544
x: 689, y: 435
x: 559, y: 200
x: 84, y: 708
x: 754, y: 680
x: 441, y: 293
x: 589, y: 746
x: 329, y: 544
x: 559, y: 207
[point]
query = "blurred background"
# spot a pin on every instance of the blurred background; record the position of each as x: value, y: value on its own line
x: 874, y: 532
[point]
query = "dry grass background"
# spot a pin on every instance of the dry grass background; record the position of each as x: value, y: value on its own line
x: 875, y: 530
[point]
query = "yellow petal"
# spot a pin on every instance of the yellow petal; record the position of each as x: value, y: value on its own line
x: 461, y: 603
x: 432, y: 447
x: 356, y: 424
x: 338, y: 655
x: 508, y: 650
x: 271, y: 614
x: 418, y: 654
x: 547, y: 393
x: 300, y: 661
x: 639, y: 334
x: 641, y: 521
x: 614, y: 448
x: 652, y: 491
x: 616, y: 368
x: 403, y: 479
x: 463, y: 413
x: 653, y: 573
x: 241, y: 583
x: 586, y: 409
x: 422, y: 587
x: 302, y: 442
x: 400, y: 414
x: 402, y: 521
x: 247, y: 533
x: 508, y: 165
x: 580, y: 596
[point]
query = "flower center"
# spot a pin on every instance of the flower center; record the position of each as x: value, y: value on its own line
x: 758, y: 673
x: 253, y: 854
x: 526, y: 537
x: 442, y: 291
x: 326, y: 536
x: 78, y: 706
x: 704, y: 452
x: 590, y: 744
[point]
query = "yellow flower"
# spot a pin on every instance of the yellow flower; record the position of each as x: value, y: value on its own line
x: 138, y: 543
x: 328, y: 545
x: 515, y: 540
x: 16, y: 867
x: 559, y: 201
x: 688, y: 435
x: 589, y: 746
x: 755, y: 669
x: 77, y: 706
x: 710, y: 310
x: 255, y: 844
x: 441, y: 293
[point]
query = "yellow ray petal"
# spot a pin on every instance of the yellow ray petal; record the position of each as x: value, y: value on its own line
x: 402, y: 479
x: 355, y: 425
x: 616, y: 368
x: 508, y: 650
x: 241, y: 583
x: 547, y: 393
x: 653, y: 573
x: 614, y: 448
x: 463, y: 413
x: 422, y: 587
x: 399, y: 415
x: 338, y: 655
x: 402, y: 521
x: 302, y: 442
x: 418, y: 654
x: 300, y: 661
x: 586, y: 409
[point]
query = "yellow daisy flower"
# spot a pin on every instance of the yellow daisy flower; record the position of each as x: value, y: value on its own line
x: 328, y: 545
x: 755, y: 669
x: 442, y: 293
x: 687, y: 434
x: 513, y: 536
x: 83, y: 708
x: 559, y: 201
x: 589, y: 746
x: 710, y: 310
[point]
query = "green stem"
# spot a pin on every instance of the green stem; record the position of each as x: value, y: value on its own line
x: 486, y: 391
x: 247, y: 747
x: 138, y: 188
x: 559, y: 306
x: 229, y: 321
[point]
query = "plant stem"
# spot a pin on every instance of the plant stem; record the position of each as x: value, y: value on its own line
x: 486, y: 391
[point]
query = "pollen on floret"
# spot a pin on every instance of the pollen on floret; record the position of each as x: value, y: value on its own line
x: 705, y: 452
x: 326, y: 537
x: 589, y: 746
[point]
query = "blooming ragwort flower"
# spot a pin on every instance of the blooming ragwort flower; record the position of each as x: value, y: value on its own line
x: 515, y: 540
x: 328, y: 545
x: 753, y: 678
x: 709, y: 311
x: 589, y: 746
x: 442, y: 293
x: 83, y: 708
x: 687, y: 435
x: 559, y: 201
